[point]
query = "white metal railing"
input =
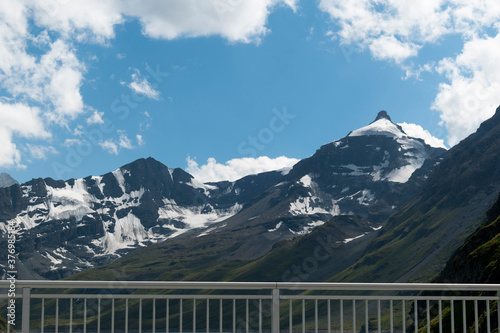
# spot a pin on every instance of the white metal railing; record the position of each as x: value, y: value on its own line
x: 178, y: 307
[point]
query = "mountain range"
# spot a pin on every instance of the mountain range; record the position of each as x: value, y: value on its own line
x: 73, y: 225
x: 375, y: 206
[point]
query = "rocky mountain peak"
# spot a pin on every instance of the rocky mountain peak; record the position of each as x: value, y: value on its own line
x: 382, y: 115
x: 381, y: 126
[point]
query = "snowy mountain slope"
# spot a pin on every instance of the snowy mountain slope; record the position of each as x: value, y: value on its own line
x: 68, y: 226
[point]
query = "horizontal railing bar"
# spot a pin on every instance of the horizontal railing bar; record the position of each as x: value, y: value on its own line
x: 389, y: 298
x: 145, y: 296
x: 389, y: 286
x: 57, y: 284
x: 248, y: 285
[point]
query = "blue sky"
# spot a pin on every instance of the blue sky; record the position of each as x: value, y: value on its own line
x: 224, y: 88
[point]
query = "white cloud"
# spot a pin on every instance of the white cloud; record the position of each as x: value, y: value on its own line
x: 417, y: 131
x: 124, y: 141
x: 18, y: 120
x: 389, y: 48
x: 399, y: 26
x: 234, y: 20
x: 53, y: 79
x: 141, y: 86
x: 40, y: 152
x: 110, y: 146
x: 96, y: 118
x: 85, y: 20
x: 72, y: 142
x: 10, y: 156
x: 113, y: 146
x: 236, y: 168
x: 473, y: 92
x: 407, y: 25
x: 140, y: 140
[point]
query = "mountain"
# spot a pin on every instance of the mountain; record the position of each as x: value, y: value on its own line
x: 348, y: 188
x: 6, y: 180
x: 417, y: 240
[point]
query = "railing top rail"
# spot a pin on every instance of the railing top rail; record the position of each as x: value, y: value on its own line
x: 64, y: 284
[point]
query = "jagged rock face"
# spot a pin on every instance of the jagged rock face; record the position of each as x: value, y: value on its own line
x: 6, y: 180
x: 69, y: 226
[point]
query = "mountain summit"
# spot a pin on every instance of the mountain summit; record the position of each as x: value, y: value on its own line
x: 382, y: 115
x: 382, y: 125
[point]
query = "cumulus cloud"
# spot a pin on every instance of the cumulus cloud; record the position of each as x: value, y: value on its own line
x: 84, y: 20
x: 236, y: 168
x: 390, y: 29
x: 404, y: 26
x: 234, y: 20
x: 18, y: 120
x: 473, y: 92
x: 418, y: 131
x: 389, y: 48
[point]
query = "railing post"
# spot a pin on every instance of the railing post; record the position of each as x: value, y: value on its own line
x: 498, y: 309
x: 275, y: 328
x: 26, y: 310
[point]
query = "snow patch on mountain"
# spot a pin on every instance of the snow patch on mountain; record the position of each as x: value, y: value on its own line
x: 119, y: 175
x: 195, y: 216
x: 307, y: 228
x: 99, y: 183
x: 128, y: 232
x: 348, y: 240
x: 380, y: 127
x: 199, y: 185
x: 312, y: 205
x: 366, y: 198
x: 306, y: 180
x: 276, y: 227
x: 211, y: 229
x: 69, y: 202
x: 55, y: 262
